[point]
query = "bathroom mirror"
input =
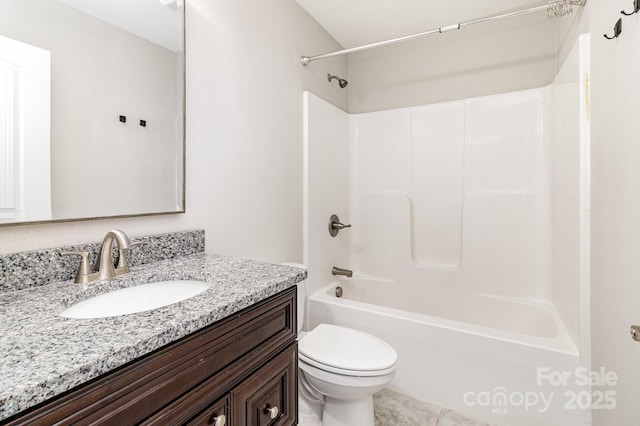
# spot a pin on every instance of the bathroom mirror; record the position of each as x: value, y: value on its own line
x: 91, y: 109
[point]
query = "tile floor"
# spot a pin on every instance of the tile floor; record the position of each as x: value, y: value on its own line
x: 395, y: 409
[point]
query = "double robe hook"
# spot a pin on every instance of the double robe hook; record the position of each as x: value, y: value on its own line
x: 617, y: 29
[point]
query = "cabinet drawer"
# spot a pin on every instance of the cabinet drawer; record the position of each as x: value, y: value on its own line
x: 269, y: 396
x: 216, y: 415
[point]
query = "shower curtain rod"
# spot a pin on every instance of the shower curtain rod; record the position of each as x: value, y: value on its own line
x: 554, y: 8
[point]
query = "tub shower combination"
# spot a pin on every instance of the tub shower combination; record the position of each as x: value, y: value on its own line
x: 469, y: 243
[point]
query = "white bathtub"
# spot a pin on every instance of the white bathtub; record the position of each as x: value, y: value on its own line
x: 476, y: 354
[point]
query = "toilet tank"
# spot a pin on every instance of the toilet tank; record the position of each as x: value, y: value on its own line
x: 301, y: 294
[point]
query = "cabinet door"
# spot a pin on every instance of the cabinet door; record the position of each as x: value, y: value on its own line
x: 270, y: 395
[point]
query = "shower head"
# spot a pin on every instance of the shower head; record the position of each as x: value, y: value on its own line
x: 341, y: 81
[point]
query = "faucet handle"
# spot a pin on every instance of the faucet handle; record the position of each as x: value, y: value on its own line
x: 84, y: 269
x: 335, y: 226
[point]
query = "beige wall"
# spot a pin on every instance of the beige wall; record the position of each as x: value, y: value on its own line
x: 504, y: 56
x: 244, y: 133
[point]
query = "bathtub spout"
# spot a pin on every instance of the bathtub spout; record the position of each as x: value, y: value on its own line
x: 339, y: 271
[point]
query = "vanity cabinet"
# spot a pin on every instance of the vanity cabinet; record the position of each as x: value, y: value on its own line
x: 268, y: 397
x: 241, y: 370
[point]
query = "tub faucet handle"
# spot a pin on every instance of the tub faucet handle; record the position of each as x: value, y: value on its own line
x: 340, y: 226
x: 335, y: 226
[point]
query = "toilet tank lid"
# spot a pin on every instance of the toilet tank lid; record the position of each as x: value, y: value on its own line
x: 347, y: 349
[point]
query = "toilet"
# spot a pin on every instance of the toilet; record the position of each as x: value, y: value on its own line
x: 342, y: 366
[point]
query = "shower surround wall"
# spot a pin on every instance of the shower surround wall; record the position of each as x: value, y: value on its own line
x: 479, y: 197
x: 448, y: 198
x: 461, y: 190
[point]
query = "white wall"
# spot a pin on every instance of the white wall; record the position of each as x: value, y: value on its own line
x: 503, y: 56
x: 615, y: 177
x: 569, y: 173
x: 244, y: 133
x: 327, y: 188
x: 615, y: 108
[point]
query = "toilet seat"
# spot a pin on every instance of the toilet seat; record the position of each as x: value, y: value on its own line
x: 347, y: 352
x: 342, y: 372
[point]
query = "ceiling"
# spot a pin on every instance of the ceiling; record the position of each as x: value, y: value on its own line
x: 357, y: 22
x: 149, y: 19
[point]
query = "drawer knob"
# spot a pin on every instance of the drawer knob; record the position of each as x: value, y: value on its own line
x: 273, y: 411
x: 220, y: 420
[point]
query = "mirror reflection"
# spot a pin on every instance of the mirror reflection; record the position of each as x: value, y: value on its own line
x: 91, y: 109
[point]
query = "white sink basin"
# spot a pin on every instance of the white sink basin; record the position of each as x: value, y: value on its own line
x: 140, y: 298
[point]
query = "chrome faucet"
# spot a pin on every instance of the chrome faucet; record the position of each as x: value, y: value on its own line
x: 105, y: 262
x: 339, y: 271
x: 105, y: 258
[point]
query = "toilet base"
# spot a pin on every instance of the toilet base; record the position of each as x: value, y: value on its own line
x: 338, y: 412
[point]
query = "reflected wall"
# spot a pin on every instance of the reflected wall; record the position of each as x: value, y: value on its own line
x: 116, y: 113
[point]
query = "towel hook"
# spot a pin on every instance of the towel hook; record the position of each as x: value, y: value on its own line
x: 636, y: 8
x: 617, y: 30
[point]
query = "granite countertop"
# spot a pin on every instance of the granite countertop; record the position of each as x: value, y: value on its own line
x: 44, y: 354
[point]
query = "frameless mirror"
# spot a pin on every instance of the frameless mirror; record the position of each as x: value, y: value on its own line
x: 91, y: 109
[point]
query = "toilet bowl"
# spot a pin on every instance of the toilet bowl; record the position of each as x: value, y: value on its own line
x: 345, y: 367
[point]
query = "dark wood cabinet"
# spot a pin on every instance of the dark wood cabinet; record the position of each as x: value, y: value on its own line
x: 269, y: 396
x: 241, y: 370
